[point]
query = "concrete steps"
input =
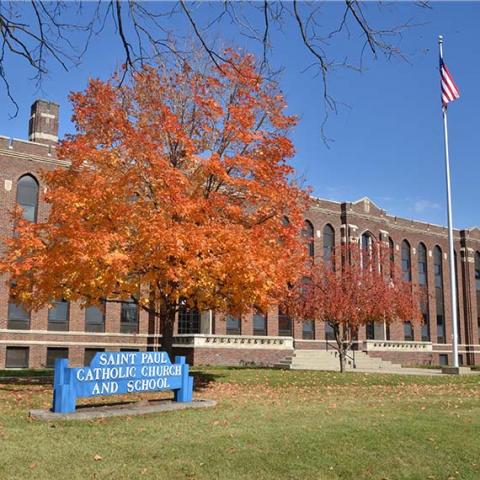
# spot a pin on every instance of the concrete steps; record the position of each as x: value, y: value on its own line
x: 328, y: 360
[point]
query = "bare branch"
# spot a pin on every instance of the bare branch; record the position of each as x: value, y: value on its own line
x: 62, y: 31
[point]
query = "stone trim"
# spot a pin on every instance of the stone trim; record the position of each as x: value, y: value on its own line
x: 398, y: 346
x: 233, y: 341
x: 82, y: 333
x: 71, y: 344
x: 33, y: 157
x: 44, y: 136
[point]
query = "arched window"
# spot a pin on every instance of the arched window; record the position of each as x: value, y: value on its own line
x: 477, y: 288
x: 422, y: 264
x: 407, y: 276
x: 27, y: 197
x: 391, y: 255
x: 423, y: 282
x: 366, y: 248
x: 406, y: 262
x: 328, y: 242
x: 373, y: 330
x: 367, y: 242
x: 308, y: 234
x: 439, y: 303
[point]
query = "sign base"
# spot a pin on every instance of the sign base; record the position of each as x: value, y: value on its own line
x: 142, y: 407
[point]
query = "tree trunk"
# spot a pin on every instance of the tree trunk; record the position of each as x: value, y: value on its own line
x: 342, y: 354
x: 168, y: 323
x: 154, y: 322
x: 153, y: 329
x: 342, y: 359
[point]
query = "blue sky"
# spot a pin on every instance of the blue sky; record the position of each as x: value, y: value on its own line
x: 388, y: 139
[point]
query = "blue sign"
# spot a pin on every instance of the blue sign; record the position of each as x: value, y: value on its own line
x: 115, y: 373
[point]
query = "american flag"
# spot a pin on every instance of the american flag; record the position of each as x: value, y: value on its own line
x: 450, y: 90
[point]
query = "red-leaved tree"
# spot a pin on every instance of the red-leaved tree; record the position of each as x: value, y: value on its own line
x: 353, y: 288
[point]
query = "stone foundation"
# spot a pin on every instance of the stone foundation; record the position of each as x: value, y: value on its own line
x: 232, y: 357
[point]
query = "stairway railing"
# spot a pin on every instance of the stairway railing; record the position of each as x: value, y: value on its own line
x: 347, y: 356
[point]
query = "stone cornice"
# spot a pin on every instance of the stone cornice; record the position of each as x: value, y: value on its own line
x: 33, y: 158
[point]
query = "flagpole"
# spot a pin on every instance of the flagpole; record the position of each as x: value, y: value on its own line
x: 451, y: 255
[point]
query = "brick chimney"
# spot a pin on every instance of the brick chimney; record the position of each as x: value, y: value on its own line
x: 43, y: 124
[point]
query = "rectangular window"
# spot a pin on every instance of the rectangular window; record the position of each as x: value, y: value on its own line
x: 440, y: 316
x: 259, y: 323
x: 234, y: 325
x: 53, y: 354
x: 422, y: 274
x: 17, y: 357
x: 437, y: 269
x: 284, y: 325
x: 370, y: 331
x: 407, y: 274
x: 129, y: 350
x: 440, y: 329
x: 95, y: 318
x: 89, y: 354
x: 308, y: 331
x: 443, y: 357
x: 129, y: 317
x: 18, y: 317
x: 188, y: 320
x: 408, y: 331
x: 425, y: 328
x: 329, y: 331
x: 58, y: 316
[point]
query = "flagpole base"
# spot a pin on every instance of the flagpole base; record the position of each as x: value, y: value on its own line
x: 457, y: 370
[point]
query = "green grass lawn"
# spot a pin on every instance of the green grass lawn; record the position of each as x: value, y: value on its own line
x: 269, y: 424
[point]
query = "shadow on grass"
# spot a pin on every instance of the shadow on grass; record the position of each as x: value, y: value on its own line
x: 202, y: 380
x: 26, y: 377
x: 26, y: 380
x: 27, y: 372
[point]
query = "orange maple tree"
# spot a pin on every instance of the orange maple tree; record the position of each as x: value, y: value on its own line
x: 355, y: 287
x: 177, y: 194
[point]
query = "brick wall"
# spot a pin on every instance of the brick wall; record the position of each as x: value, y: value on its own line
x: 232, y: 356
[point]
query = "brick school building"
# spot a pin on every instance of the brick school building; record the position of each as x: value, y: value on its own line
x: 35, y: 339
